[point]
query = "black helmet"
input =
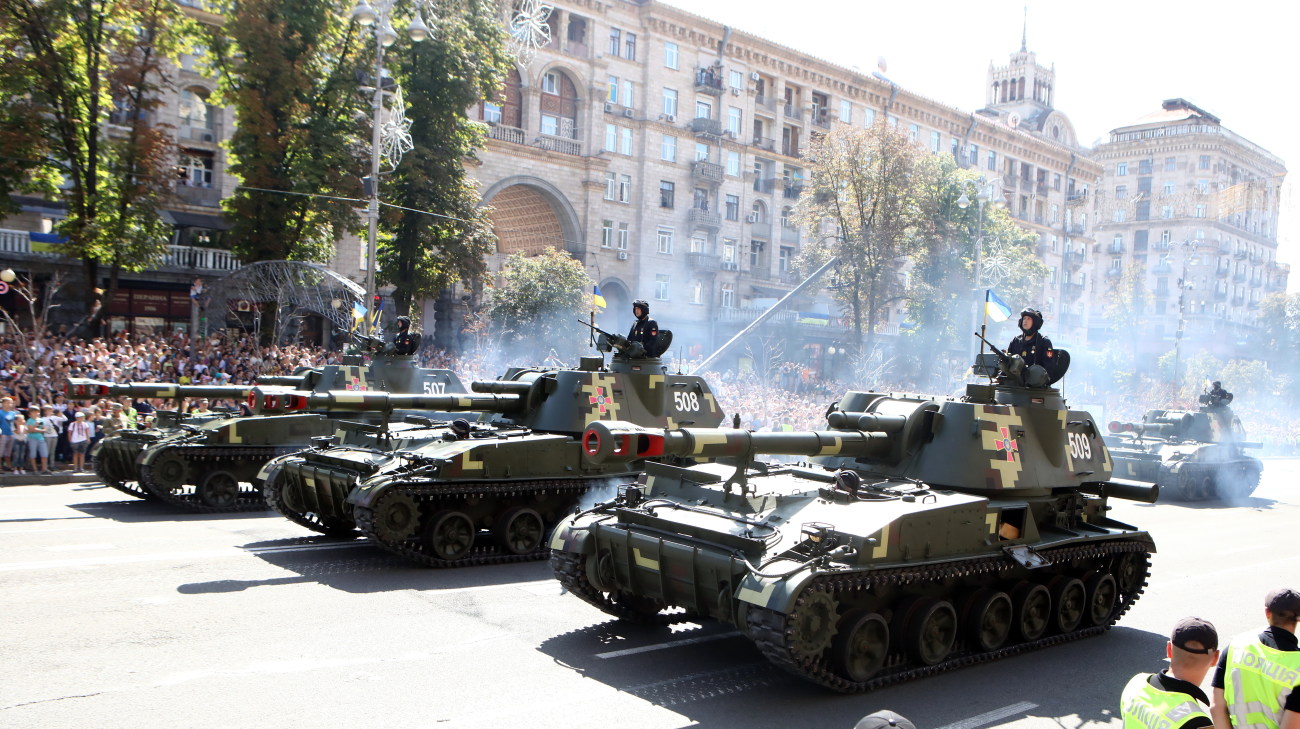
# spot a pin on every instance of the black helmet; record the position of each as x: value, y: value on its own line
x: 403, y: 323
x: 645, y: 306
x: 1035, y: 318
x: 1216, y: 384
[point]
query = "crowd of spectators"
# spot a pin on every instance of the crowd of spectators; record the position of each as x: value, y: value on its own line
x: 45, y: 431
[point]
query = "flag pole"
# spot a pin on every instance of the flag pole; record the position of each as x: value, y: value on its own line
x: 985, y: 325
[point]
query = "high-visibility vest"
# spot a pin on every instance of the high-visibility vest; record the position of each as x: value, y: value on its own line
x: 1144, y: 706
x: 1257, y: 681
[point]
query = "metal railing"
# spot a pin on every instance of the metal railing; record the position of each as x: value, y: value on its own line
x: 704, y: 218
x: 514, y: 135
x: 19, y: 242
x: 705, y: 125
x: 563, y: 145
x: 765, y: 143
x: 706, y: 172
x: 793, y: 112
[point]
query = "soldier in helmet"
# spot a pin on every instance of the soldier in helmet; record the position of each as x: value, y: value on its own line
x: 644, y: 330
x: 404, y: 342
x: 1218, y: 395
x: 1031, y: 345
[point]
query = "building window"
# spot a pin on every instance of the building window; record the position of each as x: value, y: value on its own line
x: 615, y: 40
x: 1121, y: 192
x: 1056, y: 181
x: 625, y: 188
x: 1166, y: 211
x: 670, y: 55
x: 664, y: 240
x: 1171, y: 164
x: 993, y: 161
x: 626, y: 139
x: 607, y: 234
x: 550, y: 83
x: 936, y: 142
x: 550, y: 124
x: 1144, y: 167
x: 1200, y: 210
x: 661, y: 286
x: 666, y: 192
x: 623, y: 236
x: 1119, y: 215
x: 733, y: 120
x: 1121, y: 168
x: 1169, y: 188
x: 613, y: 90
x: 913, y: 132
x: 611, y: 186
x: 611, y: 138
x: 846, y: 111
x: 1204, y: 162
x: 868, y: 117
x: 759, y: 212
x: 974, y: 156
x: 785, y: 217
x: 732, y: 207
x: 196, y: 169
x: 698, y: 243
x: 670, y: 102
x: 703, y: 110
x: 728, y: 296
x: 668, y: 148
x: 629, y: 47
x: 1203, y: 187
x: 736, y: 79
x: 756, y: 254
x: 491, y: 112
x: 786, y: 260
x: 697, y: 292
x: 701, y: 152
x: 733, y: 163
x: 728, y: 250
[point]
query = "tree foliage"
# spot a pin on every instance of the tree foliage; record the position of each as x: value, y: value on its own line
x: 288, y: 68
x: 539, y: 300
x: 461, y: 62
x: 84, y: 77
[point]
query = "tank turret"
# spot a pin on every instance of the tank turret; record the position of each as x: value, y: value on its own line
x: 488, y: 487
x: 918, y: 534
x: 1193, y: 454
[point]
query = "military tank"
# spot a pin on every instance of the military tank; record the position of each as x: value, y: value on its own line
x: 926, y: 533
x: 114, y: 456
x: 212, y: 466
x: 488, y: 490
x: 1194, y: 455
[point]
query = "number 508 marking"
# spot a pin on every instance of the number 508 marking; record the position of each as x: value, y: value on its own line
x: 686, y: 401
x: 1080, y: 445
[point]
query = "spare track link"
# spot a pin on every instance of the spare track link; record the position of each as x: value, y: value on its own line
x: 206, y: 458
x: 771, y: 630
x: 271, y: 494
x: 449, y: 495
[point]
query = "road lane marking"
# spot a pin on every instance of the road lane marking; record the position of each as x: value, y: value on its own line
x: 989, y: 717
x: 669, y: 644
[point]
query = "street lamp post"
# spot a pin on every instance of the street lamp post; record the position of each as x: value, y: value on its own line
x: 986, y: 190
x: 1183, y: 287
x: 379, y: 16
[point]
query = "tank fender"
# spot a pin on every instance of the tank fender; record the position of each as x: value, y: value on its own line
x: 268, y: 472
x: 569, y: 538
x: 368, y: 492
x: 774, y: 593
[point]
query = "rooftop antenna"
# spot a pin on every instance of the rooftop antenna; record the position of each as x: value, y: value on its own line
x: 1024, y: 32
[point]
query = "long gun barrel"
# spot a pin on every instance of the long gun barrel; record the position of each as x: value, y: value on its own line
x: 85, y: 389
x: 282, y: 380
x: 616, y: 442
x: 274, y: 401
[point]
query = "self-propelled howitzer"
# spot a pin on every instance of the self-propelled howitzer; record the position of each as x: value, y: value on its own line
x: 114, y: 456
x: 488, y: 490
x: 927, y: 533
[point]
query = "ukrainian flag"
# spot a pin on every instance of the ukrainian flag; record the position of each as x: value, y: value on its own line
x: 596, y: 298
x: 995, y: 307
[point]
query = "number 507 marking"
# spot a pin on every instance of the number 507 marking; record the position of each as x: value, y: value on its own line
x: 686, y: 401
x: 1080, y: 446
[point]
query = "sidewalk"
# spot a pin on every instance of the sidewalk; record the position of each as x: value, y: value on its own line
x: 57, y: 477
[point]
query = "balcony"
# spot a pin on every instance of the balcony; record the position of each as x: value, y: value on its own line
x: 789, y: 235
x: 1254, y: 304
x: 704, y: 219
x: 1074, y: 258
x: 765, y: 184
x: 1076, y: 198
x: 1074, y: 229
x: 791, y: 150
x: 1073, y: 290
x: 792, y: 112
x: 1161, y: 245
x: 708, y: 81
x: 1239, y: 277
x: 1114, y: 272
x: 514, y: 135
x: 702, y: 261
x: 821, y: 118
x: 706, y: 172
x: 1162, y: 267
x: 791, y: 191
x: 563, y: 145
x: 211, y: 134
x: 761, y: 230
x: 1240, y: 255
x: 765, y: 143
x: 1220, y: 295
x: 201, y: 259
x: 577, y: 50
x: 705, y: 127
x: 1239, y: 300
x: 1115, y: 248
x: 1221, y: 272
x: 205, y: 196
x: 765, y: 103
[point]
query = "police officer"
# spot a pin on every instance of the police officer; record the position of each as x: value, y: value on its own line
x: 644, y: 330
x: 1173, y: 699
x: 1257, y: 683
x: 1030, y: 345
x: 404, y: 342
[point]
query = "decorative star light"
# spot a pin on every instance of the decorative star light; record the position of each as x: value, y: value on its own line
x: 994, y: 265
x: 528, y: 29
x: 395, y: 130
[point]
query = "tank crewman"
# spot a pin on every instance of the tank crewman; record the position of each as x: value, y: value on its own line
x: 1173, y: 699
x: 1218, y: 395
x: 1031, y: 345
x: 644, y: 330
x: 404, y: 342
x: 1257, y: 682
x: 884, y: 719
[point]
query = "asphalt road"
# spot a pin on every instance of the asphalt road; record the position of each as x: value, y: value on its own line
x: 121, y: 613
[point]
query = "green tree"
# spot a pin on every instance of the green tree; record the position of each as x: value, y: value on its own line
x: 862, y: 207
x: 1126, y: 303
x: 87, y: 75
x: 461, y: 62
x: 539, y: 300
x: 289, y: 70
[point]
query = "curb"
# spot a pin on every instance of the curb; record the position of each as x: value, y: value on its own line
x: 53, y: 479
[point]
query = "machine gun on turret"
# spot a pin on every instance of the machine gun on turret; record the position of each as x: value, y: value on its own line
x: 631, y: 350
x: 1013, y: 367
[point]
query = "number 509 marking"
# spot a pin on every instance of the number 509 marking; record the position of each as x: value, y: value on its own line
x: 1080, y: 446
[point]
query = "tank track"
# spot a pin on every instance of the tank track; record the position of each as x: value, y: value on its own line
x: 131, y: 488
x: 205, y: 459
x: 1187, y: 483
x: 772, y: 630
x: 571, y: 572
x: 450, y: 495
x: 308, y: 520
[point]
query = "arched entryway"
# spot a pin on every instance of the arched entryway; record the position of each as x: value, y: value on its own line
x: 530, y: 214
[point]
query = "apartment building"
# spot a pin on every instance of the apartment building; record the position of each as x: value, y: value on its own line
x: 1190, y: 209
x: 665, y: 151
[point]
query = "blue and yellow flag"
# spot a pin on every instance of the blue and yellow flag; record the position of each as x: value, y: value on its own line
x: 596, y: 298
x: 995, y: 307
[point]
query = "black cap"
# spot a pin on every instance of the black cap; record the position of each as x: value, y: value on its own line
x: 1195, y: 630
x: 884, y: 719
x: 1283, y: 602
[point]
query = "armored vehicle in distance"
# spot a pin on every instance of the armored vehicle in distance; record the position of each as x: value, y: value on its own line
x: 490, y: 490
x: 930, y: 533
x: 1193, y: 455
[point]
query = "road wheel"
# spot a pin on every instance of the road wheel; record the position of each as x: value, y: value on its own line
x: 397, y: 517
x: 519, y: 530
x: 813, y: 623
x: 1103, y: 594
x: 988, y: 617
x: 1129, y: 572
x: 861, y: 645
x: 449, y: 535
x: 219, y: 490
x: 170, y: 471
x: 1033, y: 609
x: 1069, y: 602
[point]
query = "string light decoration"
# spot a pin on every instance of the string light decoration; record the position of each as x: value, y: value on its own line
x: 528, y: 29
